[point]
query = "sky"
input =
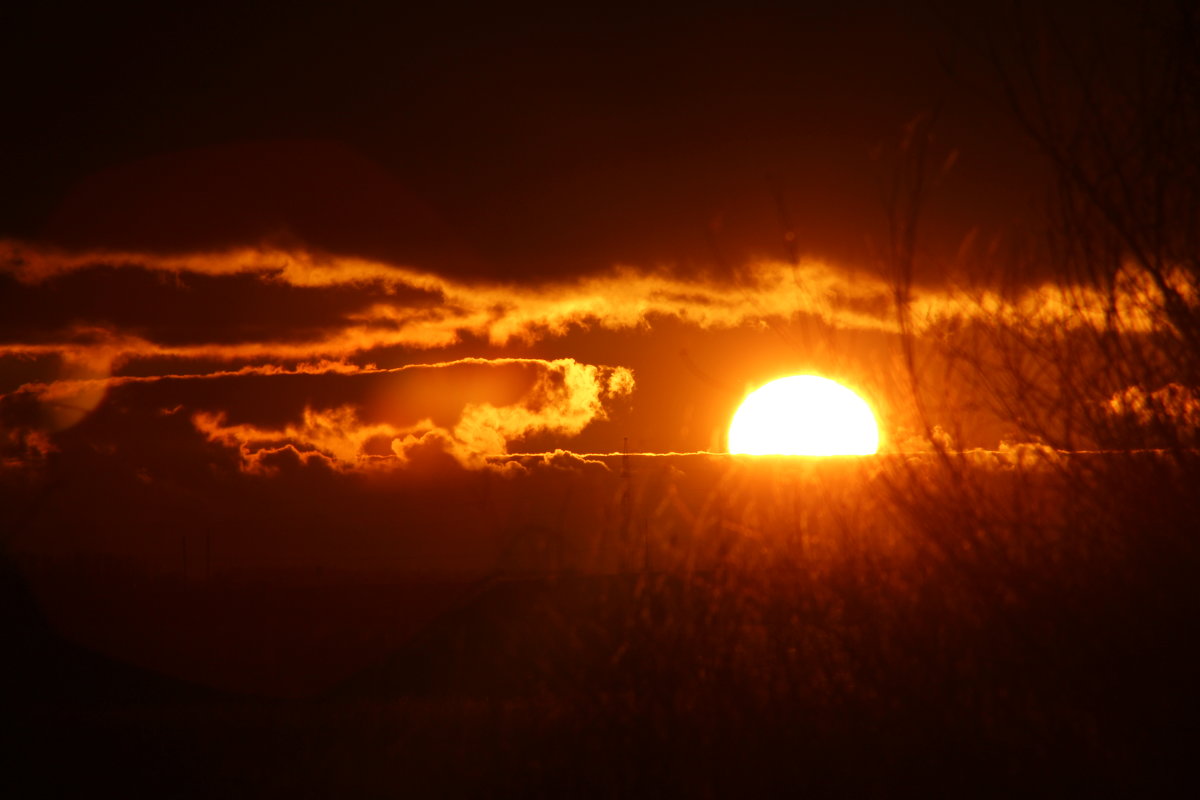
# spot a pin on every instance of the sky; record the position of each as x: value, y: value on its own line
x: 443, y: 138
x: 333, y: 250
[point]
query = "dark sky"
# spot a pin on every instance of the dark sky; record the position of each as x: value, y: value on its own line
x: 496, y: 142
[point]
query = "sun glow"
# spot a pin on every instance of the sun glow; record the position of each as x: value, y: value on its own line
x: 804, y: 415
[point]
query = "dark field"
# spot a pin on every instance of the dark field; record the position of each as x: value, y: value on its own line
x: 987, y: 625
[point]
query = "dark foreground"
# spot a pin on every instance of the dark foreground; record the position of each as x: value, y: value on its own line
x: 536, y: 689
x: 1006, y: 631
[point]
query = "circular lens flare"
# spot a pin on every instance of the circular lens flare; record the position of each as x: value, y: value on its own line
x: 804, y: 415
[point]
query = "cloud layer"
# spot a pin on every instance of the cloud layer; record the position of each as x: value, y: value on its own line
x: 78, y: 326
x: 349, y: 417
x: 272, y: 304
x: 271, y: 310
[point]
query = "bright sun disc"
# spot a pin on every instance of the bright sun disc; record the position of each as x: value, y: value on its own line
x: 804, y: 415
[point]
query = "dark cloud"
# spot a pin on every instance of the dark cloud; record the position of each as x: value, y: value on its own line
x: 184, y: 308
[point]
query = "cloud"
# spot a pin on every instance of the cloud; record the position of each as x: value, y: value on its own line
x: 1135, y: 303
x: 399, y: 306
x: 564, y: 401
x: 566, y: 461
x: 376, y: 304
x: 33, y: 263
x: 346, y: 416
x: 1170, y: 414
x: 270, y: 304
x: 219, y: 312
x: 564, y: 398
x: 153, y: 307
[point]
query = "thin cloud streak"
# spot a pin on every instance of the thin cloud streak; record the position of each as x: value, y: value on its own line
x: 347, y: 425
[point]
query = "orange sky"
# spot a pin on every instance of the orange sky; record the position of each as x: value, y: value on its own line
x: 337, y: 246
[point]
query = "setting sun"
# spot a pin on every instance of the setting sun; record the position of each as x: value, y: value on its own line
x: 803, y: 415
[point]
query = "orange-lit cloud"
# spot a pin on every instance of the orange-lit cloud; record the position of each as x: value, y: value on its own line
x: 1136, y: 303
x: 1173, y: 408
x: 388, y: 306
x: 565, y: 397
x: 358, y: 417
x: 499, y: 313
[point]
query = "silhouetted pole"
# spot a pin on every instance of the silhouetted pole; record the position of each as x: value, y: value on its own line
x: 627, y: 509
x: 645, y: 547
x: 626, y: 501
